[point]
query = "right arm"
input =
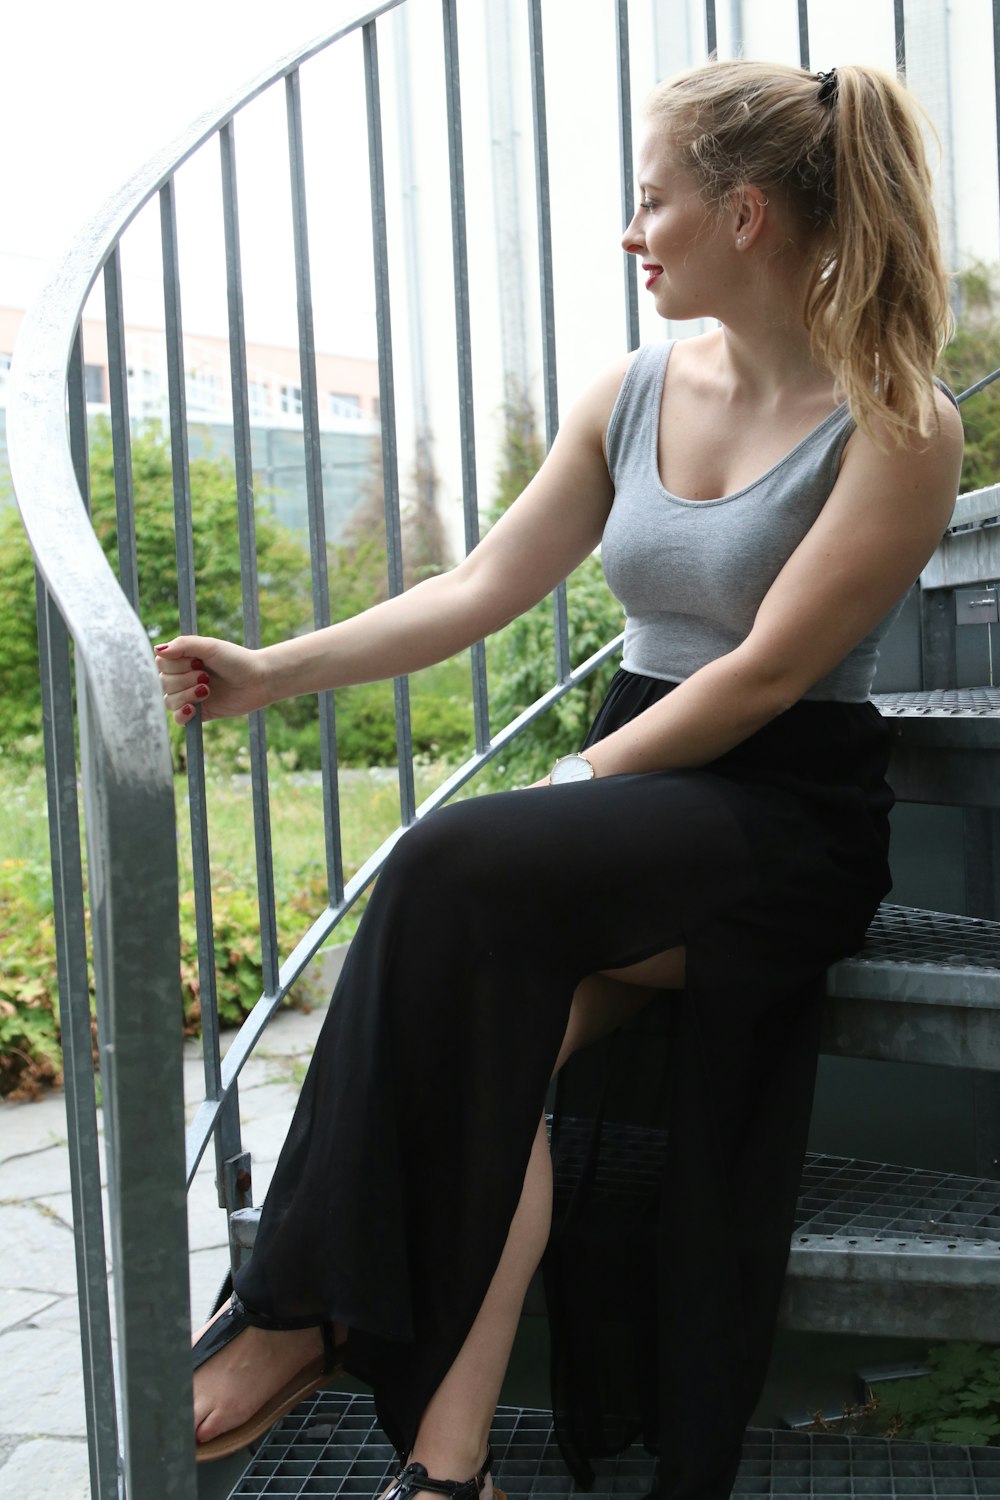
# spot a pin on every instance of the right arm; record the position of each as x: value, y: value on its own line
x: 546, y: 533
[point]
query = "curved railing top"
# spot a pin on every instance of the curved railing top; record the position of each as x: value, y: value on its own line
x: 127, y: 707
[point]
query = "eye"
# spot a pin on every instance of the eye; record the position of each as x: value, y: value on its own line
x: 647, y: 205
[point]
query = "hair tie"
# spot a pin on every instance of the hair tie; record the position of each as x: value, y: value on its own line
x: 827, y: 86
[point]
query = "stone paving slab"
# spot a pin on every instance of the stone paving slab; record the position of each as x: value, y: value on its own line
x: 18, y: 1307
x: 32, y: 1127
x: 41, y: 1385
x: 43, y: 1469
x: 38, y: 1249
x: 42, y: 1423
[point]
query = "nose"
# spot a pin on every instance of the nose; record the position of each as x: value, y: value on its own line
x: 632, y: 240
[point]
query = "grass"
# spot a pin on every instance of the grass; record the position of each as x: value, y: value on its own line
x: 369, y: 812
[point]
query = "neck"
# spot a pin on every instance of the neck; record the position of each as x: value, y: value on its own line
x: 764, y: 345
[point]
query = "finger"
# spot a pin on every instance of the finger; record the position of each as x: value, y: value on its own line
x: 176, y: 683
x: 180, y: 666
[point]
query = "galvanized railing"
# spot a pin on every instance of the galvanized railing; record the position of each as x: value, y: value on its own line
x: 139, y: 1416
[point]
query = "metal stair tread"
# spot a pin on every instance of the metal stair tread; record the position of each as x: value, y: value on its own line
x: 947, y: 1224
x: 941, y: 703
x: 330, y: 1447
x: 940, y: 947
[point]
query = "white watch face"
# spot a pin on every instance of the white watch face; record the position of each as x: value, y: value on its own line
x: 571, y: 768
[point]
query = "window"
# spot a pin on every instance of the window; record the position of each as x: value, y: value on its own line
x: 204, y: 390
x: 291, y: 400
x: 93, y: 384
x: 341, y: 405
x: 260, y: 398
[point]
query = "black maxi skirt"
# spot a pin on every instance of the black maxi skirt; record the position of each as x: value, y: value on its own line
x: 404, y: 1162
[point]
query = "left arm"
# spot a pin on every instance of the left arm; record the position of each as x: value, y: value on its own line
x: 885, y: 515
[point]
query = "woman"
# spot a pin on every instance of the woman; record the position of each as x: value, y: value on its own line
x: 766, y: 494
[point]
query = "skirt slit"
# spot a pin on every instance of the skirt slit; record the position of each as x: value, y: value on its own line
x: 394, y: 1193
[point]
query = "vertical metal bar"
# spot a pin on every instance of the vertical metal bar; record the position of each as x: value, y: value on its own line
x: 628, y: 184
x: 77, y: 397
x: 387, y: 406
x: 804, y: 34
x: 248, y: 555
x: 74, y: 1001
x: 314, y: 477
x: 899, y: 23
x: 711, y: 31
x: 120, y: 437
x: 227, y: 1132
x: 545, y: 282
x: 460, y: 274
x: 996, y: 79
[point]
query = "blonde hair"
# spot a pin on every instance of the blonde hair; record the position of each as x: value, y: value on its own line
x: 847, y: 152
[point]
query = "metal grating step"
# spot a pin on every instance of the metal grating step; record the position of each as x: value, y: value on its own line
x: 945, y: 745
x: 951, y: 703
x: 925, y: 988
x: 877, y: 1249
x: 330, y: 1447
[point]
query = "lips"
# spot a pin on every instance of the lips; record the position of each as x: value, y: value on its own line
x: 652, y: 274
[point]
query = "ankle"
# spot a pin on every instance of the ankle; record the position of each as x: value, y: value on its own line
x: 459, y: 1462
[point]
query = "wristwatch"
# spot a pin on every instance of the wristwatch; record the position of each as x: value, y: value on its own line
x: 571, y: 768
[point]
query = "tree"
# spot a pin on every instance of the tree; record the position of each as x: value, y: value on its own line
x: 522, y: 655
x: 974, y: 352
x: 285, y: 600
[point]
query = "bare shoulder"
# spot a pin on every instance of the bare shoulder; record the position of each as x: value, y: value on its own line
x: 918, y: 477
x: 587, y: 420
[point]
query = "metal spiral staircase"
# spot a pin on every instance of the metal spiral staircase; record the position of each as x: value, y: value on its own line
x: 878, y: 1248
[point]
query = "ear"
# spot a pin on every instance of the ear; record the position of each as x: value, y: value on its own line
x: 750, y: 204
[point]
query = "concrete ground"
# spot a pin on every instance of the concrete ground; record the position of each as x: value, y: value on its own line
x: 43, y: 1445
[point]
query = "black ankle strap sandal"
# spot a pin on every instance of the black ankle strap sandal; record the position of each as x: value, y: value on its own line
x: 414, y: 1477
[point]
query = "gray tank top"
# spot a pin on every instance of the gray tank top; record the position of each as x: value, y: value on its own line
x: 691, y: 574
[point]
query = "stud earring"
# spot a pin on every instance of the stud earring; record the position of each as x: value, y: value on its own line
x: 741, y: 239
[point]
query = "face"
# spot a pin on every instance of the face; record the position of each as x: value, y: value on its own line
x: 680, y: 240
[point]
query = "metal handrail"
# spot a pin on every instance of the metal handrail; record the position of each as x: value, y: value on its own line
x: 127, y: 776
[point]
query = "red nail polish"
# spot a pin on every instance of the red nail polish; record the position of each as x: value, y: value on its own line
x: 204, y: 677
x: 187, y: 710
x: 196, y: 663
x: 159, y: 648
x: 201, y: 691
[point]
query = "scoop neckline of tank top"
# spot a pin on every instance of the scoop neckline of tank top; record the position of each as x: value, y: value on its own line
x: 838, y: 411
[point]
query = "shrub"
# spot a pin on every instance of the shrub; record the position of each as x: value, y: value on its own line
x: 957, y: 1402
x: 522, y: 667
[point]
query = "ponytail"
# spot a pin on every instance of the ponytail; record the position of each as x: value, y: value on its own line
x: 846, y: 150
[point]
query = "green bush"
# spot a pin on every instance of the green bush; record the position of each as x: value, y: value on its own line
x: 30, y: 1052
x: 521, y: 662
x: 957, y: 1402
x: 30, y: 1055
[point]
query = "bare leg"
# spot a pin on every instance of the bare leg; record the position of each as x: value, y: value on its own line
x: 454, y: 1430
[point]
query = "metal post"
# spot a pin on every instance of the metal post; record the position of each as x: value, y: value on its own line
x: 460, y: 273
x: 545, y: 282
x: 228, y: 1145
x: 248, y: 556
x: 314, y: 478
x: 387, y: 409
x: 803, y: 7
x: 627, y: 177
x: 128, y: 573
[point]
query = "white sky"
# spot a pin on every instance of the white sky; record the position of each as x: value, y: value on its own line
x: 91, y: 91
